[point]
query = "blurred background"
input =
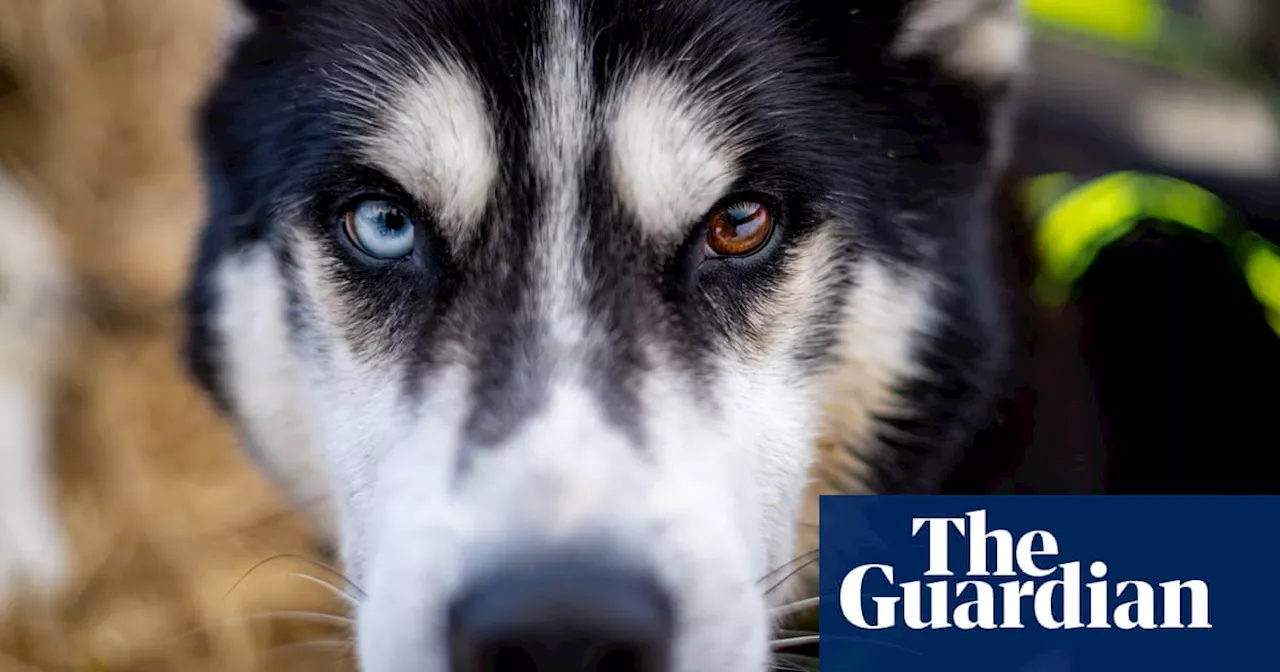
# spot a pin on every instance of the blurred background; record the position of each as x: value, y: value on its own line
x: 1137, y: 238
x: 1139, y: 231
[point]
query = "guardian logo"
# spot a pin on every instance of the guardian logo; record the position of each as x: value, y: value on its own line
x: 1034, y: 580
x: 1048, y: 583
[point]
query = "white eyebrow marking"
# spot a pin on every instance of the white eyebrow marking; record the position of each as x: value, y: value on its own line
x: 437, y: 140
x: 670, y: 163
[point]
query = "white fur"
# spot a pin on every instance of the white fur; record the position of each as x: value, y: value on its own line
x: 884, y: 322
x: 237, y: 24
x: 709, y: 502
x: 685, y: 506
x: 789, y: 321
x: 670, y: 164
x: 262, y: 375
x: 691, y: 503
x: 437, y: 140
x: 34, y: 311
x: 561, y: 134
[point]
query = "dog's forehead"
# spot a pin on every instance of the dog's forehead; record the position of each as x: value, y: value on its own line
x: 656, y: 110
x: 668, y: 154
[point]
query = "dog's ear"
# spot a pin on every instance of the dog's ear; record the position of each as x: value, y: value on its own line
x: 244, y: 17
x: 249, y: 14
x: 982, y: 42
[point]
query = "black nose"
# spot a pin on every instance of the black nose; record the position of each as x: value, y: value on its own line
x: 562, y: 615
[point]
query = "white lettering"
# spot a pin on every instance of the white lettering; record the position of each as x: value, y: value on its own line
x: 1027, y: 552
x: 1173, y: 604
x: 912, y: 606
x: 1070, y: 585
x: 1098, y: 596
x: 978, y: 537
x: 984, y: 603
x: 1055, y: 604
x: 1145, y: 604
x: 938, y: 565
x: 851, y: 599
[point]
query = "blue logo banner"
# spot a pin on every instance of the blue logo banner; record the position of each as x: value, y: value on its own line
x: 1049, y: 583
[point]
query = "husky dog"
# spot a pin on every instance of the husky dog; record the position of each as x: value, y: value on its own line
x: 552, y: 304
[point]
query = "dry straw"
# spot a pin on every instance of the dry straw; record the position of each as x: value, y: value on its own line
x: 163, y: 513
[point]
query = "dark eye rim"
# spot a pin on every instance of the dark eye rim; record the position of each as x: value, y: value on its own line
x: 777, y: 221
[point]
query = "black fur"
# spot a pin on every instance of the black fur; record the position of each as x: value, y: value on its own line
x: 840, y: 131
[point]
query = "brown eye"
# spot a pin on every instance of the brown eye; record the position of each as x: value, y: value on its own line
x: 739, y: 229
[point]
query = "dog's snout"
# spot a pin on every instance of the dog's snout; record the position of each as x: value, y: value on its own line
x: 562, y: 615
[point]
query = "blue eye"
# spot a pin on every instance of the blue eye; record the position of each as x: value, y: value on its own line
x: 381, y: 230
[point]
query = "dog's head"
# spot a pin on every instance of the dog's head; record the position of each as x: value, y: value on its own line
x: 554, y: 301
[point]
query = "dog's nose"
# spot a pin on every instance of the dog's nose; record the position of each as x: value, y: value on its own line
x: 562, y: 615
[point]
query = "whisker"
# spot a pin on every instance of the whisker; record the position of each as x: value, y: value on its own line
x: 799, y: 661
x: 789, y: 642
x: 292, y: 556
x: 793, y: 608
x: 300, y: 616
x: 335, y: 590
x: 775, y: 571
x: 790, y: 575
x: 312, y: 616
x: 873, y: 642
x: 315, y: 644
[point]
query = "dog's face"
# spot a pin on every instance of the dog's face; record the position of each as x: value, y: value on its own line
x: 557, y: 298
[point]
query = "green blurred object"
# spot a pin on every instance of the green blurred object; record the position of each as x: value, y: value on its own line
x: 1132, y: 22
x: 1077, y: 219
x: 1260, y: 261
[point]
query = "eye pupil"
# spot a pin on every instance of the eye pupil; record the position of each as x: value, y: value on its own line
x: 739, y: 229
